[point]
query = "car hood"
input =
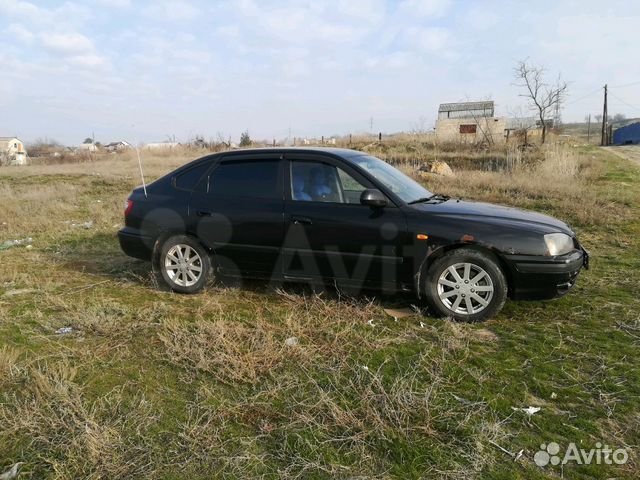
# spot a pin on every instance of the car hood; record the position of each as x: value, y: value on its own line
x: 492, y: 213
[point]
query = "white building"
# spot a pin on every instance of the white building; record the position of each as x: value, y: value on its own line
x: 12, y: 151
x: 117, y: 146
x: 161, y: 145
x: 87, y: 147
x: 469, y: 122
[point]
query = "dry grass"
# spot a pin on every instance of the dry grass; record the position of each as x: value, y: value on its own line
x: 558, y: 181
x: 46, y: 411
x: 156, y: 385
x: 230, y: 351
x: 122, y: 165
x: 234, y: 349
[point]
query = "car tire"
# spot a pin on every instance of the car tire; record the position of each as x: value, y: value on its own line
x: 183, y: 264
x: 467, y: 285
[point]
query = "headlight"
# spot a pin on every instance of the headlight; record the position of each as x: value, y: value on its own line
x: 558, y: 243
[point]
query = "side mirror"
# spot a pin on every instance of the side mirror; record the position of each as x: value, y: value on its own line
x: 373, y: 198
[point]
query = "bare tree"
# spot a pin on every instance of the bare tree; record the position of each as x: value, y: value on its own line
x: 619, y: 117
x: 419, y: 127
x: 520, y: 125
x: 482, y: 124
x: 543, y: 97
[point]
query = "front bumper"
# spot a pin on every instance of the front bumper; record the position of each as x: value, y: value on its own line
x: 539, y: 278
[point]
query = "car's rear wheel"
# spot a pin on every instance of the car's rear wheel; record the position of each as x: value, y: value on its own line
x: 466, y: 284
x: 184, y: 264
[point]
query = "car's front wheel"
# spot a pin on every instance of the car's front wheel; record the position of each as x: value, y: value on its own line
x: 466, y: 284
x: 184, y: 264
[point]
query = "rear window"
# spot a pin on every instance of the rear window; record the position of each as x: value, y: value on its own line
x: 189, y: 179
x: 255, y: 179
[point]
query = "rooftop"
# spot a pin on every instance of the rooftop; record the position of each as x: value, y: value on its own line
x: 465, y: 106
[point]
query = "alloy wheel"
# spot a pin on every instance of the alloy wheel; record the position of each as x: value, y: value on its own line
x: 465, y: 288
x: 183, y: 265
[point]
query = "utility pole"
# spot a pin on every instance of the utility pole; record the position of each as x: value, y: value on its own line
x: 603, y: 137
x: 589, y: 130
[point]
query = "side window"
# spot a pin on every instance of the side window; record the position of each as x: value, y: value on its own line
x: 351, y: 188
x: 189, y: 179
x: 255, y: 179
x: 320, y: 182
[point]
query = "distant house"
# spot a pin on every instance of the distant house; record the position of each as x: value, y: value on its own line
x: 117, y: 146
x: 523, y: 123
x: 521, y: 128
x: 161, y: 145
x: 627, y: 135
x: 88, y: 147
x: 12, y: 151
x: 471, y: 122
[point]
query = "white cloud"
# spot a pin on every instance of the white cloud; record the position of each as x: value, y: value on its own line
x: 264, y: 64
x: 20, y: 33
x: 89, y: 60
x: 115, y: 3
x: 66, y: 43
x: 430, y: 39
x: 68, y: 13
x: 172, y: 10
x: 25, y: 10
x: 425, y: 8
x: 310, y: 23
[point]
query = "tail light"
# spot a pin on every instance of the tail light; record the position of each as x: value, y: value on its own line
x: 128, y: 206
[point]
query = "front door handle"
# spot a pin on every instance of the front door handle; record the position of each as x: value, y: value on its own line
x: 301, y: 220
x: 204, y: 213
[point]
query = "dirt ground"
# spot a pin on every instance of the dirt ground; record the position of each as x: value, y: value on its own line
x: 630, y: 152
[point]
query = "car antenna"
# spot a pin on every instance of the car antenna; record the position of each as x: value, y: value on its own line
x: 144, y: 186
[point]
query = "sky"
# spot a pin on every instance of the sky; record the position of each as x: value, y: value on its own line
x: 147, y: 71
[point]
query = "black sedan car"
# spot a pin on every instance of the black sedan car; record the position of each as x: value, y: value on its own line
x: 345, y: 217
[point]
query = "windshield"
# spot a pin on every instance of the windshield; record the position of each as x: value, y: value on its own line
x: 396, y: 181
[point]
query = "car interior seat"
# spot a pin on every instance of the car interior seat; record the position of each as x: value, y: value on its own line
x: 298, y: 188
x: 318, y: 184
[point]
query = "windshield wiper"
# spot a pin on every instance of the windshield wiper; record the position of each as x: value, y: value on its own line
x: 442, y: 198
x: 420, y: 200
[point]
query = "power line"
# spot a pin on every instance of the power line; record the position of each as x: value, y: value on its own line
x: 583, y: 97
x: 626, y: 85
x: 593, y: 92
x: 627, y: 104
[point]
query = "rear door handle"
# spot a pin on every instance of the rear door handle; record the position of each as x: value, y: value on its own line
x: 301, y: 220
x: 203, y: 213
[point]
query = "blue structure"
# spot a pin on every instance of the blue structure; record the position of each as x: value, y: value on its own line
x: 627, y: 135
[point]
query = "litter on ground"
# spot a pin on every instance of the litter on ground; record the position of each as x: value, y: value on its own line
x: 19, y: 291
x: 15, y: 243
x: 86, y: 225
x: 529, y: 410
x: 397, y: 313
x: 64, y: 330
x: 12, y: 472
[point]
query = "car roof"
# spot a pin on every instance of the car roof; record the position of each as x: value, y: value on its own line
x: 340, y: 152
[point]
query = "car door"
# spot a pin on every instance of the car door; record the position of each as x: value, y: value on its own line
x: 330, y: 235
x: 238, y: 212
